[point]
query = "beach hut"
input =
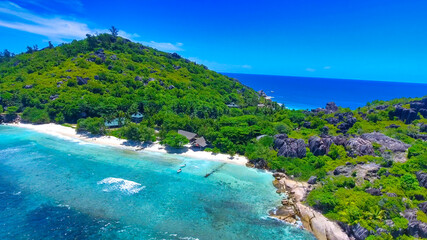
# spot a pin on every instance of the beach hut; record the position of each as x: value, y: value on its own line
x: 137, y: 117
x: 200, y: 142
x: 189, y: 135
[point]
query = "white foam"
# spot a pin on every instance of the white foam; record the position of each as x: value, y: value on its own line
x: 121, y: 185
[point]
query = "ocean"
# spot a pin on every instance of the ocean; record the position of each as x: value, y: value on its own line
x: 310, y: 93
x: 55, y: 188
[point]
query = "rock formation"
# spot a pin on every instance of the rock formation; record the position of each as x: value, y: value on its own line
x: 386, y: 142
x: 359, y: 147
x: 292, y: 207
x: 82, y: 81
x: 408, y: 115
x: 319, y: 146
x: 289, y: 147
x: 422, y: 178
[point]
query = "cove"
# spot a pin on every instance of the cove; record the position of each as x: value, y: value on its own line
x: 54, y: 188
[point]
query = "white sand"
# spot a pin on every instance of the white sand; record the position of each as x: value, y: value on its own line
x: 68, y: 132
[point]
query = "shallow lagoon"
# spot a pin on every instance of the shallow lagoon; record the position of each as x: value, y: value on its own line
x: 54, y: 188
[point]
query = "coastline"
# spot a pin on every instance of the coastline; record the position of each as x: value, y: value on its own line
x: 70, y: 133
x: 291, y: 210
x: 294, y: 210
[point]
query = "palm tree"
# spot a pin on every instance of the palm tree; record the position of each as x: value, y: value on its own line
x: 114, y: 31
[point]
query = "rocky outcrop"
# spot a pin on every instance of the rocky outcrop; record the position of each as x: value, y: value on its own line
x: 339, y: 140
x: 386, y: 142
x: 261, y: 93
x: 347, y: 124
x: 28, y: 86
x: 321, y: 227
x: 331, y: 107
x: 259, y: 163
x: 343, y: 121
x: 359, y: 232
x: 312, y: 180
x: 416, y: 228
x: 408, y: 115
x: 319, y: 146
x: 422, y: 178
x: 82, y: 81
x: 138, y: 78
x: 374, y: 191
x: 9, y: 118
x: 365, y: 171
x: 289, y: 147
x: 292, y: 209
x: 53, y: 97
x: 359, y: 147
x: 100, y: 53
x: 423, y: 207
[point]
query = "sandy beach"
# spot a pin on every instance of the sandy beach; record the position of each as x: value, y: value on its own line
x: 68, y: 132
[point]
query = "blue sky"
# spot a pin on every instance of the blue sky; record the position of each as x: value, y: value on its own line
x: 382, y: 40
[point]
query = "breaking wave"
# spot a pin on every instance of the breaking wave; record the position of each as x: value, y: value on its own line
x: 121, y: 185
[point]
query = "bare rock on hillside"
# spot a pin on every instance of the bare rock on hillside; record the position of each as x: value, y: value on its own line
x: 319, y: 146
x: 388, y: 143
x: 289, y: 147
x: 359, y: 147
x: 422, y: 178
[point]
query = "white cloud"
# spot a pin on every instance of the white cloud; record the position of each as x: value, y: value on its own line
x: 56, y: 28
x: 170, y: 47
x: 74, y: 5
x: 327, y: 67
x: 60, y: 28
x: 310, y: 69
x: 220, y: 67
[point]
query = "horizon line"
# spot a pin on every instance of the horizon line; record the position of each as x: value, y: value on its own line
x: 345, y: 79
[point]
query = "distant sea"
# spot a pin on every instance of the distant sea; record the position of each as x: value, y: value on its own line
x: 310, y: 93
x: 54, y: 188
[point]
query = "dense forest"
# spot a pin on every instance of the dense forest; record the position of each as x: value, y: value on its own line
x: 367, y: 166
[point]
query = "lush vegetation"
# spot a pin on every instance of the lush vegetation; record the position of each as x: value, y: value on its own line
x: 105, y: 77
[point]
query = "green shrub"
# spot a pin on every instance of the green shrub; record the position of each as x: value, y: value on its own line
x: 35, y: 115
x: 322, y: 199
x: 400, y: 223
x: 409, y: 182
x: 12, y: 110
x: 92, y: 125
x: 421, y: 216
x: 137, y: 132
x: 173, y: 139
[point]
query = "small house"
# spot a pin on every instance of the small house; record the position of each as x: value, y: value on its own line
x: 233, y: 105
x: 200, y: 142
x: 137, y: 117
x: 189, y: 135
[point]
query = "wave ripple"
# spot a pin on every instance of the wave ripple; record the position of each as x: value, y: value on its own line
x: 121, y: 185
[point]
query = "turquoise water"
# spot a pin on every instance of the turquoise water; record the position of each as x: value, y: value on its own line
x: 52, y: 188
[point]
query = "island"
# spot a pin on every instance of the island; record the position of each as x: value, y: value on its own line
x: 345, y: 174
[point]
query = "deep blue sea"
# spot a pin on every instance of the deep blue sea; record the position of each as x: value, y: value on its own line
x: 54, y: 188
x: 310, y: 93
